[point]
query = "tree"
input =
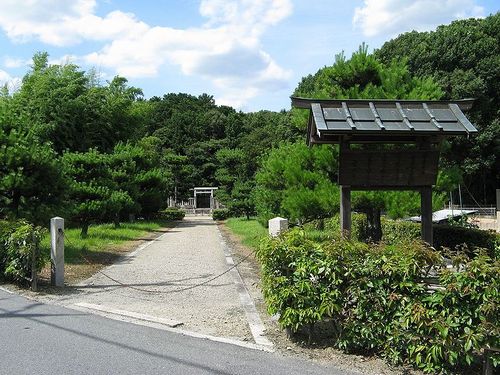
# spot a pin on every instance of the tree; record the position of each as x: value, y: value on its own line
x: 464, y: 59
x: 297, y: 182
x: 93, y: 193
x: 32, y: 184
x: 235, y: 181
x: 360, y: 77
x: 71, y: 110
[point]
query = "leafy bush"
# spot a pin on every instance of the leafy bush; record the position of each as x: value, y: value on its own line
x: 171, y: 214
x: 220, y: 214
x: 18, y: 240
x: 399, y: 231
x: 359, y: 226
x: 454, y: 236
x: 376, y: 299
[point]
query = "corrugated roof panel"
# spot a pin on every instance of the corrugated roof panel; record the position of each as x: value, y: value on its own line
x: 384, y: 120
x: 362, y: 114
x: 416, y: 114
x: 387, y: 114
x: 396, y: 126
x: 443, y: 114
x: 367, y: 126
x: 423, y: 126
x: 338, y: 125
x: 334, y: 113
x: 451, y: 126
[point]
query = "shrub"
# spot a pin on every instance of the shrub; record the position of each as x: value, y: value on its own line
x: 445, y: 236
x: 359, y: 226
x: 18, y: 240
x: 376, y: 299
x: 454, y: 236
x: 299, y: 282
x: 171, y: 214
x: 399, y: 231
x: 220, y: 214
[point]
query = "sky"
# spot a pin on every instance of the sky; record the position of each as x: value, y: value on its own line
x: 249, y: 54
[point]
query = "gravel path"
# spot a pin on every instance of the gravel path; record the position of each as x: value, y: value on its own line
x: 189, y: 254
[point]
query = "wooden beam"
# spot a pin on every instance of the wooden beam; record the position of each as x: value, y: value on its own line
x: 345, y: 211
x: 426, y: 213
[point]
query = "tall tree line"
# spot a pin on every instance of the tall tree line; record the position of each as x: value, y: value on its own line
x: 95, y: 151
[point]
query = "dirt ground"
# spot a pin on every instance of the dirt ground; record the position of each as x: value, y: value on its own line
x: 319, y: 350
x: 92, y: 262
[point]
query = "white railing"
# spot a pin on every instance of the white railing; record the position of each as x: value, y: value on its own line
x: 480, y: 211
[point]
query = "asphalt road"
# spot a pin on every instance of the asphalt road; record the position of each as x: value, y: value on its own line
x: 37, y: 338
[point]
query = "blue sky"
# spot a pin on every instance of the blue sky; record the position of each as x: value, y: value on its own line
x: 249, y: 54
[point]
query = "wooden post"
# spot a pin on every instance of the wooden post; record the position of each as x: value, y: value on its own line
x: 497, y: 213
x: 345, y: 211
x: 34, y: 256
x: 426, y: 213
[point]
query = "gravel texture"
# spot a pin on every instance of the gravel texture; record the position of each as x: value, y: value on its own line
x: 189, y: 254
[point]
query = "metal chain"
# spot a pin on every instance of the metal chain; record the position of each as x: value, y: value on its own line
x: 162, y: 291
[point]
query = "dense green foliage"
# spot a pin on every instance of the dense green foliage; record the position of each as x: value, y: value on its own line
x: 31, y: 178
x: 18, y: 242
x: 464, y: 59
x: 171, y: 214
x: 94, y: 152
x: 400, y: 232
x: 220, y: 214
x: 297, y: 182
x: 373, y: 298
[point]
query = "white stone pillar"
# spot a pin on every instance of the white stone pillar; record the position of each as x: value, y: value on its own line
x: 57, y: 251
x: 277, y: 225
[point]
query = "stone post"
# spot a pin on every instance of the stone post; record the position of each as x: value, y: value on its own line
x: 57, y: 251
x: 277, y: 225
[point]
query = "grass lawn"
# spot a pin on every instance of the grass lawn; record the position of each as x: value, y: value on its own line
x: 104, y: 244
x: 250, y: 231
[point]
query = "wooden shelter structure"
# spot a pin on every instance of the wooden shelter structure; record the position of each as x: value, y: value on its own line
x: 422, y: 125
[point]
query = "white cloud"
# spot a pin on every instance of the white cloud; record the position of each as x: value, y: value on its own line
x: 13, y: 83
x: 226, y: 49
x: 391, y: 17
x: 10, y: 62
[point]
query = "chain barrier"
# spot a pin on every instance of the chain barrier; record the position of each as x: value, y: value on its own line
x: 162, y: 291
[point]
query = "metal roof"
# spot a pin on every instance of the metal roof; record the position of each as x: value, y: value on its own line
x: 383, y: 120
x: 444, y: 215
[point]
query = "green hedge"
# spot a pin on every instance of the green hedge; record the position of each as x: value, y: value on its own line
x: 220, y: 214
x: 18, y: 240
x: 453, y: 236
x: 397, y: 232
x: 171, y: 214
x: 376, y: 301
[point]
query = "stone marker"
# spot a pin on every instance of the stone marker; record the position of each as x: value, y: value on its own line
x: 277, y: 225
x: 57, y: 251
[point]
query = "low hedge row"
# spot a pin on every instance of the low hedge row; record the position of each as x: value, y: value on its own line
x: 171, y: 214
x: 18, y: 240
x: 445, y: 236
x: 221, y: 214
x: 375, y: 300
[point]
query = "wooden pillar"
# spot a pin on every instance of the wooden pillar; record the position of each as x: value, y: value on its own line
x: 426, y: 213
x: 345, y: 211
